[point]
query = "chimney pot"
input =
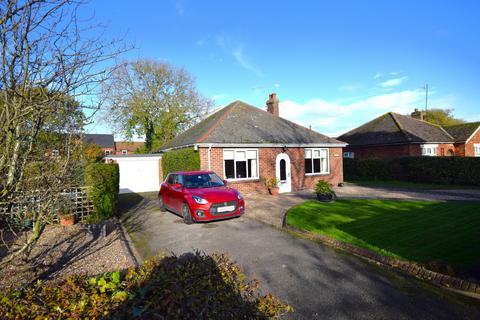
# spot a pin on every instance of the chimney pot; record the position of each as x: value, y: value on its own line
x: 272, y: 104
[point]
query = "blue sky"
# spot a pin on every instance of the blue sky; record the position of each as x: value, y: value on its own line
x: 333, y: 64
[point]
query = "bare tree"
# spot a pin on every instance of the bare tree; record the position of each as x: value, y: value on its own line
x: 46, y: 67
x: 154, y: 99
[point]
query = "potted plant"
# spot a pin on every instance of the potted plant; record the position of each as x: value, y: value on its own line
x: 324, y: 192
x: 272, y: 185
x: 65, y: 212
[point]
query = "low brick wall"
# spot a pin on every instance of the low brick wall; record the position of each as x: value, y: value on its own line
x: 467, y: 287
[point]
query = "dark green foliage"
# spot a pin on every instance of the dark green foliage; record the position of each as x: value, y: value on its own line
x: 323, y: 187
x: 192, y: 286
x: 103, y: 180
x: 180, y: 160
x: 441, y: 170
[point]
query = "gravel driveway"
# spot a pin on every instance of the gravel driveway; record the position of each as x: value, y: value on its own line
x: 319, y: 282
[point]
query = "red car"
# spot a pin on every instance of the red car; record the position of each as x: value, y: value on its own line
x: 200, y: 196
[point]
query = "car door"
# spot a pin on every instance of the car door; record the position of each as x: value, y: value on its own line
x: 176, y: 192
x: 167, y: 193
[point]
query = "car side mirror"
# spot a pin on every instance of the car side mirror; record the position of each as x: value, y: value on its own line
x: 225, y: 182
x: 177, y: 185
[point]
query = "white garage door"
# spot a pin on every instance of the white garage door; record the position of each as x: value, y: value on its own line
x: 138, y: 174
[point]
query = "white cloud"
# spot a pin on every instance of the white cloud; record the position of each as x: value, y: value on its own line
x: 220, y: 96
x: 377, y: 75
x: 236, y: 49
x: 393, y: 82
x: 333, y: 117
x: 349, y: 88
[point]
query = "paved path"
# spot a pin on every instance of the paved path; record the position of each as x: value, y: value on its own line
x: 319, y: 282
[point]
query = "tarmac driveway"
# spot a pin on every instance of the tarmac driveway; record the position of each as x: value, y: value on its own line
x: 318, y: 281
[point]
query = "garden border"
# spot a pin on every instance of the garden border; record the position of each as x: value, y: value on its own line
x: 468, y: 288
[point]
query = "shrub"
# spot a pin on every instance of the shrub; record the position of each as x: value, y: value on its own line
x: 103, y: 182
x: 92, y: 152
x: 180, y: 160
x: 271, y: 182
x: 323, y: 187
x: 441, y: 170
x: 191, y: 286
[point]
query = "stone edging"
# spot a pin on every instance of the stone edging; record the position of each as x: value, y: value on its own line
x: 129, y: 245
x: 466, y: 287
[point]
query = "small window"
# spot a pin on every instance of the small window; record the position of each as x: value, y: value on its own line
x: 477, y: 150
x: 316, y: 161
x: 107, y: 152
x: 429, y: 150
x: 283, y: 170
x: 240, y: 163
x: 349, y: 154
x: 124, y: 151
x: 55, y: 153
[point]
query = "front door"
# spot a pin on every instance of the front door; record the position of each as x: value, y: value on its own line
x: 282, y: 172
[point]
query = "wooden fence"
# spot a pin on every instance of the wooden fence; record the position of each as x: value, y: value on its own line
x: 82, y: 206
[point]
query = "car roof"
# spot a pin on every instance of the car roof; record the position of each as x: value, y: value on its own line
x: 192, y: 172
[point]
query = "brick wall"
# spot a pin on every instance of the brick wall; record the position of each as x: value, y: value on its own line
x: 396, y: 151
x: 267, y: 162
x: 469, y: 150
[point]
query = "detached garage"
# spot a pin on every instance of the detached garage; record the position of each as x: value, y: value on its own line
x: 138, y: 172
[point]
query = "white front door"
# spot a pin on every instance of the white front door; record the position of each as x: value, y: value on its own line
x: 282, y: 172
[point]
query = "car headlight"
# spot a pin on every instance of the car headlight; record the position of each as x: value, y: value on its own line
x: 239, y: 196
x: 199, y: 200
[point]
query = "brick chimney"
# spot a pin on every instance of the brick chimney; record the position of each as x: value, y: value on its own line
x: 420, y: 115
x: 272, y: 104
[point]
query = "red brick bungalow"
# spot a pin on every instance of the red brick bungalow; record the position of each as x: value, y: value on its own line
x: 104, y: 141
x: 467, y: 139
x: 393, y: 135
x: 244, y: 145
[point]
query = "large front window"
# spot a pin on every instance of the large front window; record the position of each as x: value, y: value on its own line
x: 429, y: 150
x: 316, y: 161
x: 477, y: 150
x: 240, y: 163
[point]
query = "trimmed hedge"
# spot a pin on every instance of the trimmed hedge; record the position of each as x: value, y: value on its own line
x: 180, y: 160
x: 103, y: 180
x: 192, y: 286
x: 439, y: 170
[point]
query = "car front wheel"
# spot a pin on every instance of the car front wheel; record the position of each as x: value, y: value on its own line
x: 187, y: 217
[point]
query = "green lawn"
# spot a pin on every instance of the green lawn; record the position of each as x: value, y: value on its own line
x: 421, y: 231
x: 407, y: 185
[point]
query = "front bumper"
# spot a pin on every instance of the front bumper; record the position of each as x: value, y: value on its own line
x: 202, y: 212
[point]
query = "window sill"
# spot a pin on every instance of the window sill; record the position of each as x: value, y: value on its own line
x: 243, y: 180
x: 317, y: 174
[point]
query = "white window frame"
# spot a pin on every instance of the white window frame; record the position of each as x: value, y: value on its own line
x: 55, y: 153
x: 429, y: 150
x: 235, y: 166
x: 349, y: 154
x: 124, y: 151
x: 108, y: 152
x: 476, y: 149
x: 312, y: 150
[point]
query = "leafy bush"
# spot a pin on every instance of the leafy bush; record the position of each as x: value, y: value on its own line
x: 441, y: 170
x: 323, y: 187
x: 92, y: 152
x: 271, y: 182
x: 180, y: 160
x: 191, y: 286
x: 103, y: 182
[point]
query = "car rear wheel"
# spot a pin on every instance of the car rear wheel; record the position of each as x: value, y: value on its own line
x: 187, y: 217
x: 161, y: 204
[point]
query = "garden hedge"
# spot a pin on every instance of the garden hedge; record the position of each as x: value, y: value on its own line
x: 439, y: 170
x: 103, y: 182
x: 180, y: 160
x: 192, y: 286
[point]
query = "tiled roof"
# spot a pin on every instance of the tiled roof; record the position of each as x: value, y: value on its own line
x: 461, y: 132
x: 102, y: 140
x: 241, y: 123
x: 394, y: 128
x: 131, y: 146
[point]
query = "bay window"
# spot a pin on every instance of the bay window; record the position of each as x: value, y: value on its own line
x: 316, y: 161
x: 240, y: 163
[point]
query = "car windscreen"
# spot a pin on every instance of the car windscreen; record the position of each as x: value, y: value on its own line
x: 203, y: 180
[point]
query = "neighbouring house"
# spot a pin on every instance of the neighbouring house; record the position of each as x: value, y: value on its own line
x: 244, y: 145
x: 127, y: 147
x: 467, y: 139
x: 393, y: 135
x: 105, y: 141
